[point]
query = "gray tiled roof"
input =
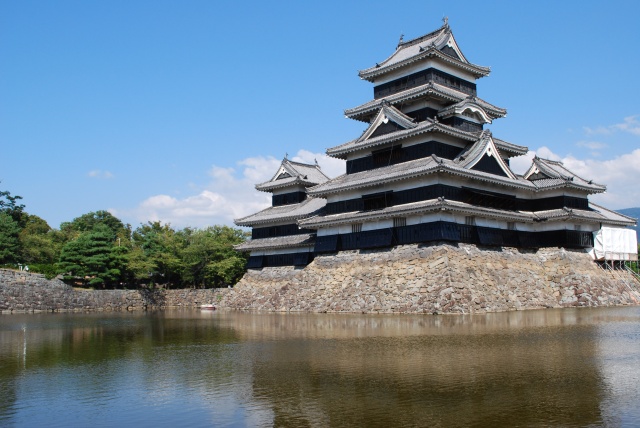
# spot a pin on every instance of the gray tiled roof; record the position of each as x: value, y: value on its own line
x: 281, y: 213
x: 557, y: 174
x: 470, y: 102
x: 299, y: 173
x: 433, y: 164
x: 613, y: 215
x: 510, y: 148
x: 414, y: 208
x: 386, y: 113
x: 432, y: 89
x: 397, y: 116
x: 421, y: 128
x: 410, y: 169
x: 419, y: 48
x: 598, y: 215
x: 473, y: 153
x: 290, y: 241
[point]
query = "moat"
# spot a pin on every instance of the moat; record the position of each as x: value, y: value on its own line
x: 555, y: 367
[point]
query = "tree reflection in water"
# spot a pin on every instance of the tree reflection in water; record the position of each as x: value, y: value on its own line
x: 549, y: 368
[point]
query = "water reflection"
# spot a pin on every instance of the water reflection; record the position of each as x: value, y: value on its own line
x: 532, y: 368
x: 498, y: 369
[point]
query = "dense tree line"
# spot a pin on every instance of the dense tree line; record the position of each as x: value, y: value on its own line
x: 98, y: 250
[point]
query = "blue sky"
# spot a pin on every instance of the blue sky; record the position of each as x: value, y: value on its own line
x: 172, y: 111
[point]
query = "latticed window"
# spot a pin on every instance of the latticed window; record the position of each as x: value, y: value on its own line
x: 511, y: 225
x: 356, y: 227
x: 399, y: 221
x: 470, y: 220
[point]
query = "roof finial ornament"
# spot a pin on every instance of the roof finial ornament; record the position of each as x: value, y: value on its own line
x: 286, y: 155
x: 316, y: 161
x: 445, y: 20
x: 401, y: 38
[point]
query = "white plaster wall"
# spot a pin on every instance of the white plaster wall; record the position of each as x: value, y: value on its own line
x: 297, y: 188
x: 377, y: 224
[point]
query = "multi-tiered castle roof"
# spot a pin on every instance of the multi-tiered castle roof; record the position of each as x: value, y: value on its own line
x: 426, y: 169
x: 276, y: 237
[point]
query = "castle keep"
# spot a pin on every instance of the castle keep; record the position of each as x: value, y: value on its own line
x: 426, y: 169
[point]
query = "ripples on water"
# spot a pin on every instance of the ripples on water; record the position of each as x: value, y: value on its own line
x: 533, y: 368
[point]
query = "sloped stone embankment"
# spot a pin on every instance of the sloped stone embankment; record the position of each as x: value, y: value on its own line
x: 433, y: 279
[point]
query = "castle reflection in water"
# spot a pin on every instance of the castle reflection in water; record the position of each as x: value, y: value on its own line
x: 550, y: 367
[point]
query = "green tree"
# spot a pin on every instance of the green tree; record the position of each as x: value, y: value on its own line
x: 87, y: 222
x: 209, y: 257
x: 155, y: 254
x: 93, y: 258
x: 39, y: 243
x: 9, y: 204
x: 9, y: 239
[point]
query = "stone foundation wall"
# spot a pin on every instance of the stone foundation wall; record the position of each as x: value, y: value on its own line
x: 440, y: 278
x: 28, y: 292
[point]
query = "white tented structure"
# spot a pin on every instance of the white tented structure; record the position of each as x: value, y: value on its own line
x: 614, y: 243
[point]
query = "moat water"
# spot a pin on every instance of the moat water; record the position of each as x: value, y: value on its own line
x: 564, y: 368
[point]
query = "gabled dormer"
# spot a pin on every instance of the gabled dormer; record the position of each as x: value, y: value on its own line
x: 541, y: 169
x: 484, y: 156
x: 469, y: 109
x: 548, y: 174
x: 467, y: 115
x: 290, y: 182
x: 389, y: 119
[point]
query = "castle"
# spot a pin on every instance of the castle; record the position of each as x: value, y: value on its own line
x: 427, y: 170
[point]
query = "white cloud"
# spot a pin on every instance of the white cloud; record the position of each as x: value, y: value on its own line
x: 619, y: 174
x: 230, y: 194
x: 600, y: 130
x: 99, y: 174
x: 521, y: 164
x: 629, y: 124
x: 593, y: 145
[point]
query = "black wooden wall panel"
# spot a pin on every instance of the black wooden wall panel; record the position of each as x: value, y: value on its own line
x: 327, y: 244
x: 470, y: 196
x: 282, y: 230
x: 421, y: 78
x: 288, y: 198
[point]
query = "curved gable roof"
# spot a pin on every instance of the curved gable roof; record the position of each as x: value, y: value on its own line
x: 428, y: 90
x: 434, y: 44
x: 546, y: 173
x: 485, y: 146
x: 468, y: 104
x: 293, y: 173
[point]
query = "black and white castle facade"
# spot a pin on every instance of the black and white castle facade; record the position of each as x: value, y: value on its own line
x: 427, y: 170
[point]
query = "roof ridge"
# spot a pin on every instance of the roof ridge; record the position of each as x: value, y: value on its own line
x: 401, y: 134
x: 389, y: 108
x: 455, y: 95
x: 548, y: 160
x: 571, y: 175
x: 419, y: 39
x: 300, y: 163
